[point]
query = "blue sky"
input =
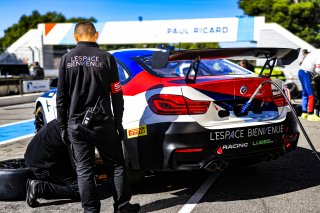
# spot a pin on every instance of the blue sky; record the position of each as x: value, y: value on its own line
x: 119, y: 10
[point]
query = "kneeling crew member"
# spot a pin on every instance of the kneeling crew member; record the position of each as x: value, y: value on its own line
x: 49, y: 160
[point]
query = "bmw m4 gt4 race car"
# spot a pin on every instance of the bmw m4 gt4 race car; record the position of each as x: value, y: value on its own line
x: 184, y: 109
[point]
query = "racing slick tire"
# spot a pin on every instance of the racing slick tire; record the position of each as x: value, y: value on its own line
x: 13, y: 178
x: 40, y: 118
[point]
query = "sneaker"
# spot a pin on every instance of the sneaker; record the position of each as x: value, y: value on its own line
x: 32, y: 193
x: 129, y: 208
x: 304, y: 115
x: 313, y: 117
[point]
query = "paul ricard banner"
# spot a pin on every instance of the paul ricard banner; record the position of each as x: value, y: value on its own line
x: 161, y: 31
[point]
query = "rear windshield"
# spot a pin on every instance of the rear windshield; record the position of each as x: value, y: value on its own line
x: 207, y: 67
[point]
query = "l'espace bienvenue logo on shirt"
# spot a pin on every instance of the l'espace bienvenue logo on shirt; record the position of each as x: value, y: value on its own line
x: 82, y: 60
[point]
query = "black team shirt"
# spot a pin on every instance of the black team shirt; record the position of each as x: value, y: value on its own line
x: 85, y: 73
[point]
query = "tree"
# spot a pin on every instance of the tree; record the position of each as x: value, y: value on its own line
x: 301, y: 17
x: 26, y: 23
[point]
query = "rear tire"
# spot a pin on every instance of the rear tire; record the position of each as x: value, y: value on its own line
x: 134, y: 175
x: 13, y: 178
x: 40, y: 118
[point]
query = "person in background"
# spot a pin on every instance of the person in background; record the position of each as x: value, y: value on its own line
x: 309, y: 66
x: 305, y: 52
x: 38, y: 71
x: 245, y: 64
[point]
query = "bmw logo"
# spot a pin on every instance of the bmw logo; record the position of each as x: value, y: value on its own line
x: 243, y: 90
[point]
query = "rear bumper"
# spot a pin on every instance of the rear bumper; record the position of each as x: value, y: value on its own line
x: 156, y: 147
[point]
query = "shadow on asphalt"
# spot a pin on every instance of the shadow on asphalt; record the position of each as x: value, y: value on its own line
x: 180, y: 184
x: 56, y: 202
x: 104, y: 191
x: 296, y: 171
x: 293, y: 172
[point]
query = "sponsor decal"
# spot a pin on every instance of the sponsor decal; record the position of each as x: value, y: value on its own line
x: 262, y: 142
x: 235, y: 146
x: 246, y: 133
x: 268, y: 130
x: 220, y: 149
x: 115, y: 87
x: 198, y: 30
x: 136, y: 132
x: 227, y: 135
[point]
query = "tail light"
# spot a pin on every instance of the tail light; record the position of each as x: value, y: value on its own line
x: 189, y: 150
x: 279, y: 100
x: 290, y: 139
x: 164, y: 104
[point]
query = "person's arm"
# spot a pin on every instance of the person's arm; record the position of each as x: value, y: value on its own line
x: 110, y: 82
x: 62, y: 98
x: 116, y: 92
x: 317, y: 64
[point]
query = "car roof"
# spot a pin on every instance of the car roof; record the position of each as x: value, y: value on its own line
x: 133, y: 50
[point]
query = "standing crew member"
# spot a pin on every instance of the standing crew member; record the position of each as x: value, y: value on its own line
x: 309, y: 66
x: 49, y: 160
x: 87, y: 78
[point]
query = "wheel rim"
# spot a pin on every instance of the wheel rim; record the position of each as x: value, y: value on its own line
x: 39, y: 119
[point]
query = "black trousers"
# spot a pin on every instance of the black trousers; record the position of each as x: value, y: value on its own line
x: 57, y: 182
x: 104, y: 136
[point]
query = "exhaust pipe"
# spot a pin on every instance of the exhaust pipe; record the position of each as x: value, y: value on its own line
x: 211, y: 167
x: 268, y: 157
x: 223, y: 165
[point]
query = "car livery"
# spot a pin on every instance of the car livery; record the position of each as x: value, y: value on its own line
x: 186, y: 114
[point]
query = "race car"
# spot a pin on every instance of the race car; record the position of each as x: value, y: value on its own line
x: 184, y: 108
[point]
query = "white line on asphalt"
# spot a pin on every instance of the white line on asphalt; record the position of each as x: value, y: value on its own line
x: 16, y: 139
x: 196, y: 197
x: 18, y: 122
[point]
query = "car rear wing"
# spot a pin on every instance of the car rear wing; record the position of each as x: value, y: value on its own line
x: 273, y: 56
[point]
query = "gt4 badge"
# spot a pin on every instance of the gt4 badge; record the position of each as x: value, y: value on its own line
x: 136, y: 132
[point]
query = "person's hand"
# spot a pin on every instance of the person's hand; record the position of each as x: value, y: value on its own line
x: 120, y: 129
x: 64, y: 137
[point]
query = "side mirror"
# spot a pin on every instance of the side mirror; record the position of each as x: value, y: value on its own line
x: 54, y: 83
x: 159, y: 59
